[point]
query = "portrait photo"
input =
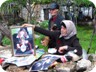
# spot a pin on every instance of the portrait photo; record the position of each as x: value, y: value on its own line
x: 22, y: 40
x: 44, y: 63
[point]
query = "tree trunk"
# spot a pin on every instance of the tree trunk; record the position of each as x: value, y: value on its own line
x: 94, y: 24
x: 5, y: 31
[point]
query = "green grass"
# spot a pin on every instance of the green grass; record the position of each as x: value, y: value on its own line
x: 84, y: 34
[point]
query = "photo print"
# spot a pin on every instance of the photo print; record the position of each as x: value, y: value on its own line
x: 44, y: 63
x: 22, y: 40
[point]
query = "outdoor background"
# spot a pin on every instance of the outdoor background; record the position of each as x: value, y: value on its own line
x: 17, y: 12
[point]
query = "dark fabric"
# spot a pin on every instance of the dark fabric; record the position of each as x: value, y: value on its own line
x: 54, y: 5
x: 69, y: 58
x: 52, y: 43
x: 73, y: 42
x: 56, y: 21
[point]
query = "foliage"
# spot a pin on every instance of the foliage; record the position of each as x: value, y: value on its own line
x: 10, y: 11
x: 83, y: 3
x: 44, y: 24
x: 6, y: 41
x: 38, y: 42
x: 9, y: 7
x: 42, y: 1
x: 15, y: 6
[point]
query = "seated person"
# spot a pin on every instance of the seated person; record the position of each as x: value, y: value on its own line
x: 67, y: 43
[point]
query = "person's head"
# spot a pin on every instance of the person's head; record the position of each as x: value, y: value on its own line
x: 23, y: 33
x: 53, y: 8
x: 68, y: 29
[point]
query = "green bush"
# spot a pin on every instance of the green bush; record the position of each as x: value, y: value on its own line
x: 6, y: 41
x: 37, y: 41
x: 44, y: 24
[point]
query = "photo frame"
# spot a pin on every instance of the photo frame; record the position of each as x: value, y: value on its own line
x: 22, y: 40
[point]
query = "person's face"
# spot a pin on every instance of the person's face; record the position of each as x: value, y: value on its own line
x: 23, y: 33
x: 53, y: 12
x: 63, y: 31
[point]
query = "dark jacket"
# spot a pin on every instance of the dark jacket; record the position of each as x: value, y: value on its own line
x: 73, y: 42
x: 56, y: 21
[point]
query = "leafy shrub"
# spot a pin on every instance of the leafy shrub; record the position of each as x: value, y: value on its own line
x: 6, y: 41
x: 44, y: 24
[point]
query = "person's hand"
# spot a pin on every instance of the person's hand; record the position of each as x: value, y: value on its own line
x: 25, y: 25
x: 45, y: 41
x: 62, y: 48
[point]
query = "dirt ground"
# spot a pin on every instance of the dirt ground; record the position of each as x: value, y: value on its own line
x: 13, y: 68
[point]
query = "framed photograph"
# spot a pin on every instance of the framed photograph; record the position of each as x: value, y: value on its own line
x: 22, y: 40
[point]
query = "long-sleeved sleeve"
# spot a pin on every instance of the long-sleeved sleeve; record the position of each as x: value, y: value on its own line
x: 51, y: 34
x: 76, y: 46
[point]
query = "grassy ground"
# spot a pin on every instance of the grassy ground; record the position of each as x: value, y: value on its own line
x: 84, y: 34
